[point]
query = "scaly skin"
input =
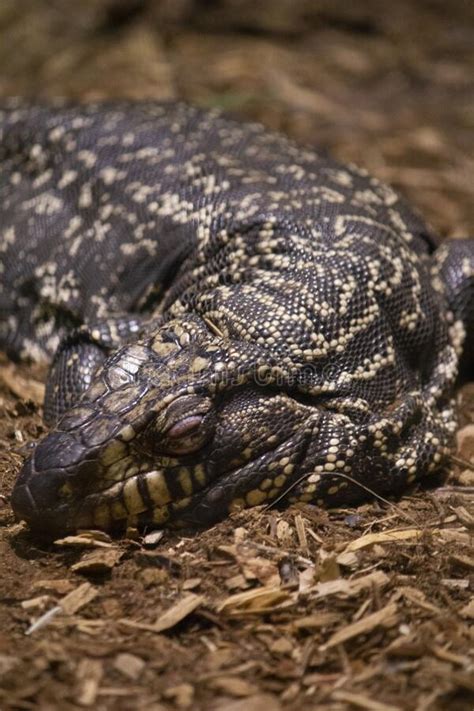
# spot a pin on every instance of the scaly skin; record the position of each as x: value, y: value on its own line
x: 232, y: 320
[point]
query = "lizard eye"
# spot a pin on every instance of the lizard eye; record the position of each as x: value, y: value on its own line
x: 186, y: 436
x: 186, y: 427
x: 189, y: 425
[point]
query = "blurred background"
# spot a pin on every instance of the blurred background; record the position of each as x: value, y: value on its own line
x: 390, y: 86
x: 387, y: 85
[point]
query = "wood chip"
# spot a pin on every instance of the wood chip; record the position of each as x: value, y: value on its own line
x: 259, y: 702
x: 233, y: 685
x: 465, y: 442
x: 237, y: 582
x: 79, y: 597
x: 240, y: 534
x: 448, y: 656
x: 192, y: 583
x: 468, y: 610
x: 281, y: 646
x: 387, y: 617
x: 60, y: 586
x: 462, y: 561
x: 176, y: 613
x: 129, y: 665
x: 332, y: 587
x: 284, y: 532
x: 418, y: 598
x: 456, y: 583
x: 301, y: 533
x: 98, y: 561
x: 466, y: 478
x: 465, y: 680
x: 362, y: 702
x: 456, y: 535
x: 84, y: 540
x: 328, y: 569
x: 7, y: 663
x: 348, y: 588
x: 36, y: 602
x: 316, y: 621
x: 377, y: 579
x: 151, y: 540
x: 371, y: 539
x: 89, y: 675
x: 258, y: 568
x: 347, y: 559
x: 24, y: 388
x: 257, y: 601
x: 182, y: 695
x: 464, y: 517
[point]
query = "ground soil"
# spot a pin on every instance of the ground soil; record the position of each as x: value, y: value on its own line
x: 305, y: 609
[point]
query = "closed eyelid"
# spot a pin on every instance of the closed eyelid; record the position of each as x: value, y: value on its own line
x: 185, y: 426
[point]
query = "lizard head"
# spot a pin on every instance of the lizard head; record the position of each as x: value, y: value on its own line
x: 172, y: 427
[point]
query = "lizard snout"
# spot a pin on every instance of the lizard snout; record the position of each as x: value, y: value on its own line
x: 46, y: 494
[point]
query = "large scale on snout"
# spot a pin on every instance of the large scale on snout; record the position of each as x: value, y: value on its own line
x: 230, y: 319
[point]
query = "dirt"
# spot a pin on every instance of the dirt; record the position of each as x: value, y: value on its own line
x: 369, y: 608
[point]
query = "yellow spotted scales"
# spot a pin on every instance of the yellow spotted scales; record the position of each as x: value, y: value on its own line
x: 231, y: 319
